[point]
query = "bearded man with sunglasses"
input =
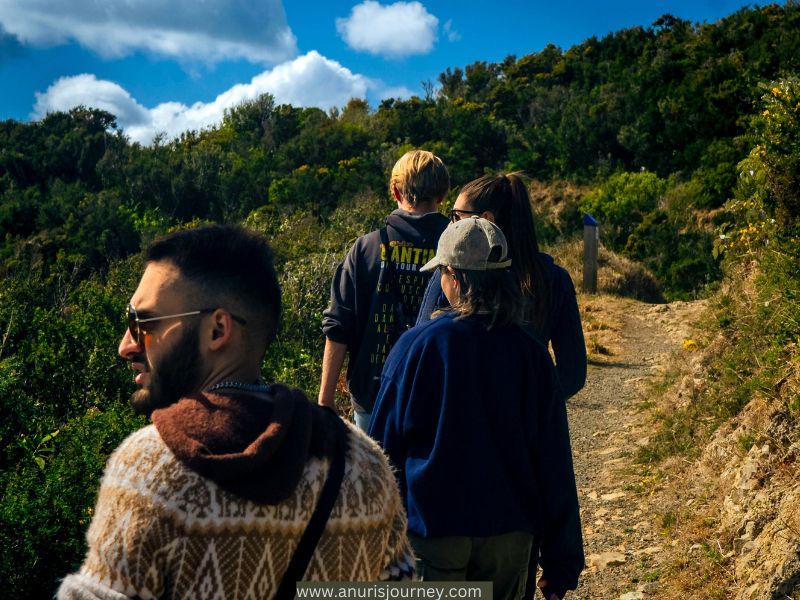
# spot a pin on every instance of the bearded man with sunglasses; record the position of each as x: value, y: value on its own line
x: 239, y: 488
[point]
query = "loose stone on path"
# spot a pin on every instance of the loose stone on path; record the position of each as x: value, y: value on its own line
x: 621, y: 532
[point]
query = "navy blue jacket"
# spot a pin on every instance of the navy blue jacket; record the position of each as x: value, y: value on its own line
x: 562, y: 326
x: 476, y: 426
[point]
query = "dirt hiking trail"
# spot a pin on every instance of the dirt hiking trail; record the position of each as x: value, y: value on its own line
x: 629, y: 343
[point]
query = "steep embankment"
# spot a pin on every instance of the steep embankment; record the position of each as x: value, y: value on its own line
x: 722, y: 521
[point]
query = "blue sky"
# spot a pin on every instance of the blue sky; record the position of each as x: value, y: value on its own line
x: 167, y: 66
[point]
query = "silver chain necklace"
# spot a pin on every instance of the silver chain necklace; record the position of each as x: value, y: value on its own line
x: 239, y: 385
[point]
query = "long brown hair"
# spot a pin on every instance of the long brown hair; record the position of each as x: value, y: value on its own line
x: 492, y: 292
x: 506, y: 197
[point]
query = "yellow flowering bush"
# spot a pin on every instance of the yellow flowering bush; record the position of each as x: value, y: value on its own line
x: 767, y: 201
x: 750, y: 230
x: 778, y: 128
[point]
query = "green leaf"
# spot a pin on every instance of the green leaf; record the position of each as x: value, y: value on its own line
x: 49, y: 437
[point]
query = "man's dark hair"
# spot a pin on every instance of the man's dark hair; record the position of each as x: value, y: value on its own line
x: 227, y: 264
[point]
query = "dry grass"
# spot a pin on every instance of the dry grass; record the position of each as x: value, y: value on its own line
x: 705, y: 571
x: 748, y: 372
x: 602, y: 326
x: 555, y: 208
x: 617, y: 275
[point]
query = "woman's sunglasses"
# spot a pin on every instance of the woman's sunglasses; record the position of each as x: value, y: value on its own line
x: 457, y: 214
x: 138, y: 332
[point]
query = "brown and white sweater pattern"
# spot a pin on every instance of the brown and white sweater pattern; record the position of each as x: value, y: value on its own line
x: 160, y: 529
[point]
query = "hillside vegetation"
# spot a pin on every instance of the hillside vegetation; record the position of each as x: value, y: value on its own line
x: 671, y: 135
x: 731, y: 403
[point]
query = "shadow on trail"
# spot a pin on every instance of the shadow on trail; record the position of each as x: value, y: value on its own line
x: 619, y: 365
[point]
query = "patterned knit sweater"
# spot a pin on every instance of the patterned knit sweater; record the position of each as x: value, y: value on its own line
x: 161, y: 529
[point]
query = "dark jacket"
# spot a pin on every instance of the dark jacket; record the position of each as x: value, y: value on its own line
x: 364, y: 298
x: 562, y: 326
x: 474, y: 422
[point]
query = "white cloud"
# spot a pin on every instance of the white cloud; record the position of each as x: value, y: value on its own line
x: 208, y: 30
x: 394, y: 31
x: 87, y: 90
x: 309, y: 80
x: 400, y: 91
x: 452, y: 34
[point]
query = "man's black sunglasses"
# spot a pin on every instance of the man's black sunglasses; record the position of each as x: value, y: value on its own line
x: 135, y: 323
x: 456, y: 214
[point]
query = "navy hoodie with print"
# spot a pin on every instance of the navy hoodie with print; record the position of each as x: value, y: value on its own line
x: 366, y: 296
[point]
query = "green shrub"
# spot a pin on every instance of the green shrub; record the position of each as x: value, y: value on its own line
x: 778, y: 127
x: 767, y: 200
x: 309, y: 251
x: 63, y: 393
x: 295, y: 356
x: 46, y: 506
x: 621, y: 203
x: 680, y: 257
x: 716, y: 174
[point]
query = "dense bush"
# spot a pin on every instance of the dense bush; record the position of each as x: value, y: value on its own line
x: 47, y: 505
x: 651, y: 220
x: 754, y: 333
x: 308, y: 252
x: 63, y: 392
x: 680, y: 255
x: 766, y: 207
x: 621, y: 203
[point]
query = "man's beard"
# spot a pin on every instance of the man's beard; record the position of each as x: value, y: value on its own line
x: 176, y: 375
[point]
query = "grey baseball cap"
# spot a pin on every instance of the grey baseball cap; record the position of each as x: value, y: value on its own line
x: 467, y: 245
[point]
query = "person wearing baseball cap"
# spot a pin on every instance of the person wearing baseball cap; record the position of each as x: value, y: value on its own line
x: 470, y: 414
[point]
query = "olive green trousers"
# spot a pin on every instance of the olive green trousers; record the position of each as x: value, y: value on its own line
x: 501, y: 559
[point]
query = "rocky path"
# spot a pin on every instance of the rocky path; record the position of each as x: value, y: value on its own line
x: 622, y: 530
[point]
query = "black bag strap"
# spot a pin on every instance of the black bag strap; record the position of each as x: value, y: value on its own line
x: 384, y: 233
x: 319, y: 518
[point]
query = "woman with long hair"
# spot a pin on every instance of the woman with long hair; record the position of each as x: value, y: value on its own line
x: 550, y: 305
x: 470, y: 413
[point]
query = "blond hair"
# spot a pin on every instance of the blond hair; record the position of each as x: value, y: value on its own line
x: 419, y: 176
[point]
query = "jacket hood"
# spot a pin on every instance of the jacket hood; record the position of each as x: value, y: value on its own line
x: 427, y: 227
x: 253, y: 448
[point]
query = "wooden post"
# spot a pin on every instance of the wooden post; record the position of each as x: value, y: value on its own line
x: 591, y: 240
